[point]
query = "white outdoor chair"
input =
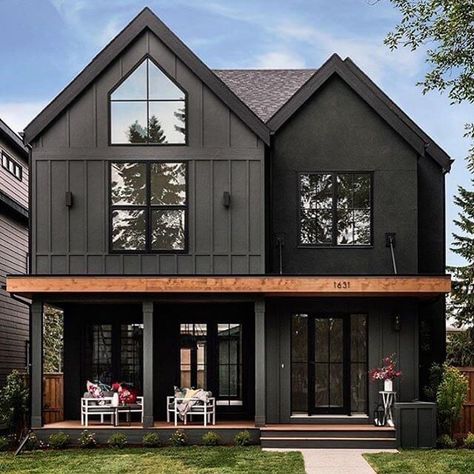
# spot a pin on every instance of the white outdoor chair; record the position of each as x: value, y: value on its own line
x: 206, y: 410
x: 96, y: 407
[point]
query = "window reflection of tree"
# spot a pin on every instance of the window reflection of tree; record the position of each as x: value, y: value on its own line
x: 166, y: 199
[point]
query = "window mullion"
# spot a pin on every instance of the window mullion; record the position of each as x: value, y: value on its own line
x: 334, y: 209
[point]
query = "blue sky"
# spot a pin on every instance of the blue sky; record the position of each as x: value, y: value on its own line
x: 44, y: 44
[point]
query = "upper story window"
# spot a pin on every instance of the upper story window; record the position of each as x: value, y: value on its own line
x: 11, y: 166
x: 148, y: 206
x: 148, y: 107
x: 335, y: 209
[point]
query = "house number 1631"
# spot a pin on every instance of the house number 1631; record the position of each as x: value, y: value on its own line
x: 342, y: 285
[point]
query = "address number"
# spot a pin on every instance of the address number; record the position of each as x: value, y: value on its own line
x: 342, y: 285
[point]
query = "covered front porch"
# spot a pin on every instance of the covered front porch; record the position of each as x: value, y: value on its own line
x: 230, y: 335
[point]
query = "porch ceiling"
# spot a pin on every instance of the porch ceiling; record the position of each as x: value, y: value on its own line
x: 281, y: 285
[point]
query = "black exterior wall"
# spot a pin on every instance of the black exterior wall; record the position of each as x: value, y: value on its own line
x: 383, y: 339
x: 337, y: 131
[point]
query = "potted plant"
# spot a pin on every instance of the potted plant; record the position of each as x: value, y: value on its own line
x: 388, y: 372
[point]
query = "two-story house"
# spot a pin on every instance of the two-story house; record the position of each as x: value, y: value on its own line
x: 14, y: 314
x: 268, y: 235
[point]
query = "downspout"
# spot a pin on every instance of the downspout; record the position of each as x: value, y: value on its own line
x: 390, y: 243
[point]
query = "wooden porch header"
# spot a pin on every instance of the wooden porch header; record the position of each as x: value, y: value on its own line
x: 280, y: 285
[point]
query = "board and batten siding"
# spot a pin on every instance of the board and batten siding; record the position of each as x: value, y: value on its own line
x: 74, y: 155
x: 14, y: 316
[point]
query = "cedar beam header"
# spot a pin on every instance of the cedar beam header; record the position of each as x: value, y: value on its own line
x: 396, y: 285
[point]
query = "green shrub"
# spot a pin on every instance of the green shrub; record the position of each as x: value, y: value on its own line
x: 211, y: 439
x: 452, y: 393
x: 14, y: 403
x: 178, y: 438
x: 445, y: 442
x: 59, y: 440
x: 4, y: 443
x: 33, y: 443
x: 117, y: 440
x: 151, y: 440
x: 87, y: 440
x: 469, y: 441
x: 242, y: 439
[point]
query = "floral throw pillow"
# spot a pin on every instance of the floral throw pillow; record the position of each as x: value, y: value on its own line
x: 94, y: 390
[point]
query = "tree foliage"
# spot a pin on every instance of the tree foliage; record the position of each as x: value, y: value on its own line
x: 53, y: 340
x: 444, y: 29
x: 14, y: 404
x: 452, y: 393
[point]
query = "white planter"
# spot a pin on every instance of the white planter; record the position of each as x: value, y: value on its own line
x: 388, y: 385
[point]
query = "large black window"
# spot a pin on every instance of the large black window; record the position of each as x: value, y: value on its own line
x: 335, y: 209
x: 148, y: 206
x: 148, y: 107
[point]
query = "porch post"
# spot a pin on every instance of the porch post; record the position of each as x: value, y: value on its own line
x: 36, y: 372
x: 260, y: 373
x: 148, y: 418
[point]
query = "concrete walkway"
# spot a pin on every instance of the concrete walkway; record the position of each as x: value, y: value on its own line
x: 336, y: 461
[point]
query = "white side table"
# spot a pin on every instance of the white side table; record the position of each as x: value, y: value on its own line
x: 387, y: 400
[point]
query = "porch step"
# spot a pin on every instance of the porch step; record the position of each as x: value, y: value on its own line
x: 332, y: 436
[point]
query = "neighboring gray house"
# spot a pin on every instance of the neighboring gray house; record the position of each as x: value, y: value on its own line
x: 267, y: 235
x: 14, y: 315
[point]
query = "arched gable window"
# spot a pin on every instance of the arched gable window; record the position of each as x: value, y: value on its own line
x: 147, y: 107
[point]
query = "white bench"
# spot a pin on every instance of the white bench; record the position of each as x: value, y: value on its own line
x: 103, y: 407
x: 206, y: 410
x: 96, y: 407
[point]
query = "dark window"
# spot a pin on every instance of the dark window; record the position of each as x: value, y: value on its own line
x: 193, y: 355
x: 229, y: 341
x: 114, y: 353
x: 335, y: 209
x: 12, y: 166
x: 148, y: 108
x: 148, y: 206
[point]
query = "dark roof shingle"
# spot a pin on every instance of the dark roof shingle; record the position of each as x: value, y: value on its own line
x: 264, y: 91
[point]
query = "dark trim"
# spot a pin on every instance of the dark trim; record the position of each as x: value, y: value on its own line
x: 13, y: 208
x: 373, y: 96
x: 145, y: 20
x: 9, y: 159
x: 333, y: 244
x: 148, y: 208
x: 13, y: 139
x: 148, y: 100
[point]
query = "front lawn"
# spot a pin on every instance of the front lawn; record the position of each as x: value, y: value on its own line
x: 187, y: 460
x: 454, y: 461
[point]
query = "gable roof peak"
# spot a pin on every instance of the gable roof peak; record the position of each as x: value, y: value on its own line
x: 145, y: 20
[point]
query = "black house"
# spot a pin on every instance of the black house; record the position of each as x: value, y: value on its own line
x: 268, y: 235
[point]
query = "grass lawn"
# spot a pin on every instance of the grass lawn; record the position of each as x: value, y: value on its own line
x: 206, y: 460
x: 453, y: 461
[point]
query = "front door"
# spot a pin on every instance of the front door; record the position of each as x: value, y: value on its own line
x: 328, y: 363
x: 328, y: 369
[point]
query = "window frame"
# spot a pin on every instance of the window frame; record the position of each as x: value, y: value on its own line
x: 122, y: 80
x: 148, y: 208
x: 334, y: 244
x: 16, y: 165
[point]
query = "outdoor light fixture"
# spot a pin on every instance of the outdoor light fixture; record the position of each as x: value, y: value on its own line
x: 68, y: 199
x: 226, y: 199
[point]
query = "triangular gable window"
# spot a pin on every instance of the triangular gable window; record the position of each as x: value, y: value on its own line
x: 148, y: 108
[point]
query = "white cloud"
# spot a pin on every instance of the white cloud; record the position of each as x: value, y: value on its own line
x: 279, y: 60
x: 17, y: 115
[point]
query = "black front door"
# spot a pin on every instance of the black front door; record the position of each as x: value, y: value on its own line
x: 329, y: 364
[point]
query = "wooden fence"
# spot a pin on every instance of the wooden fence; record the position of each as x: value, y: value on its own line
x: 466, y: 424
x: 53, y: 391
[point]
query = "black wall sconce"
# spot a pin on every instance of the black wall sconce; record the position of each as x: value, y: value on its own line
x: 396, y: 323
x: 69, y: 199
x: 226, y: 199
